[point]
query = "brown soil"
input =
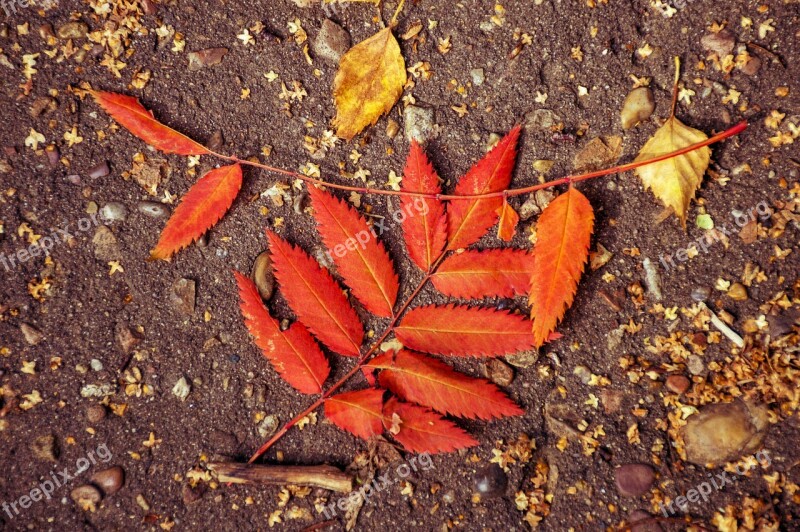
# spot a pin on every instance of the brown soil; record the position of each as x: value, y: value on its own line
x: 85, y: 307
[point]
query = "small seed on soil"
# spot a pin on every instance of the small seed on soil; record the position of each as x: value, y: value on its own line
x: 677, y: 383
x: 633, y: 480
x: 109, y: 480
x: 490, y: 481
x: 87, y: 497
x: 332, y: 42
x: 638, y: 106
x: 499, y: 372
x: 95, y: 414
x: 182, y: 296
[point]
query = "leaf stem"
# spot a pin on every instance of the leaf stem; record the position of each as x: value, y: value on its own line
x: 735, y: 130
x: 675, y: 86
x: 359, y: 364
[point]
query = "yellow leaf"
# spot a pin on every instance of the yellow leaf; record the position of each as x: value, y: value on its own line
x: 674, y: 181
x: 369, y: 82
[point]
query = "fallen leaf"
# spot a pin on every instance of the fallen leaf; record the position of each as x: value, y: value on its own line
x: 432, y: 383
x: 560, y: 253
x: 422, y: 431
x: 359, y: 413
x: 293, y: 353
x: 201, y: 208
x: 369, y: 82
x: 131, y: 115
x: 490, y: 273
x: 315, y: 297
x: 507, y: 224
x: 675, y: 180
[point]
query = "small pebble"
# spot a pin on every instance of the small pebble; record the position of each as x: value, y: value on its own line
x: 99, y: 170
x: 701, y: 293
x: 96, y: 365
x: 449, y: 497
x: 499, y: 372
x: 490, y: 481
x: 583, y: 373
x: 542, y: 119
x: 32, y: 335
x: 648, y: 524
x: 638, y: 106
x: 332, y: 42
x: 523, y: 359
x: 419, y: 123
x: 678, y: 383
x: 634, y: 480
x: 182, y: 296
x: 109, y: 480
x: 152, y: 209
x: 95, y: 413
x: 181, y: 389
x: 268, y: 426
x: 652, y: 279
x: 204, y: 58
x: 695, y: 365
x: 477, y: 76
x: 262, y: 276
x: 113, y: 212
x: 721, y: 43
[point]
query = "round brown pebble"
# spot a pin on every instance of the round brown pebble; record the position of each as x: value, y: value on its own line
x: 634, y: 480
x: 96, y: 413
x: 109, y: 480
x: 678, y: 383
x: 499, y: 372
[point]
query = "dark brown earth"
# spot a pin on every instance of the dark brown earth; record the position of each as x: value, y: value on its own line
x: 231, y: 383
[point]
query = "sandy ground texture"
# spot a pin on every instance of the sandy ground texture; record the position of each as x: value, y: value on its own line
x: 142, y: 372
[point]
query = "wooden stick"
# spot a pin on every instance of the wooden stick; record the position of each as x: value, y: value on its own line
x: 321, y: 476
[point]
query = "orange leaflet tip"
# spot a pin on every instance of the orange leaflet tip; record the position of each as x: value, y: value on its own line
x: 130, y: 114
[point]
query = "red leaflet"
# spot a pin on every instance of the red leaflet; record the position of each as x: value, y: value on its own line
x: 422, y: 431
x: 432, y: 383
x: 425, y: 224
x: 203, y: 206
x: 315, y: 297
x: 490, y: 273
x: 464, y: 331
x: 131, y: 115
x: 359, y: 413
x: 507, y: 224
x: 564, y: 229
x: 360, y: 258
x: 468, y: 220
x: 293, y: 353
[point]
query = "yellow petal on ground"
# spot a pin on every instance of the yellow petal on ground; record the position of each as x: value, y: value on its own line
x: 674, y: 181
x: 369, y: 82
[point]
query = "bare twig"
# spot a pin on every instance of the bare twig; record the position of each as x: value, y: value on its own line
x: 729, y: 333
x: 321, y: 476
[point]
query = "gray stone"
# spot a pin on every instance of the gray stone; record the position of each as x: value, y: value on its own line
x: 152, y: 209
x: 332, y: 42
x: 204, y: 58
x: 419, y: 123
x: 182, y: 296
x: 113, y: 212
x: 542, y: 119
x: 477, y: 75
x: 106, y: 247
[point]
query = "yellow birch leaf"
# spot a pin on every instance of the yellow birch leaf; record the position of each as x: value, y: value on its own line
x: 674, y: 181
x: 369, y: 82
